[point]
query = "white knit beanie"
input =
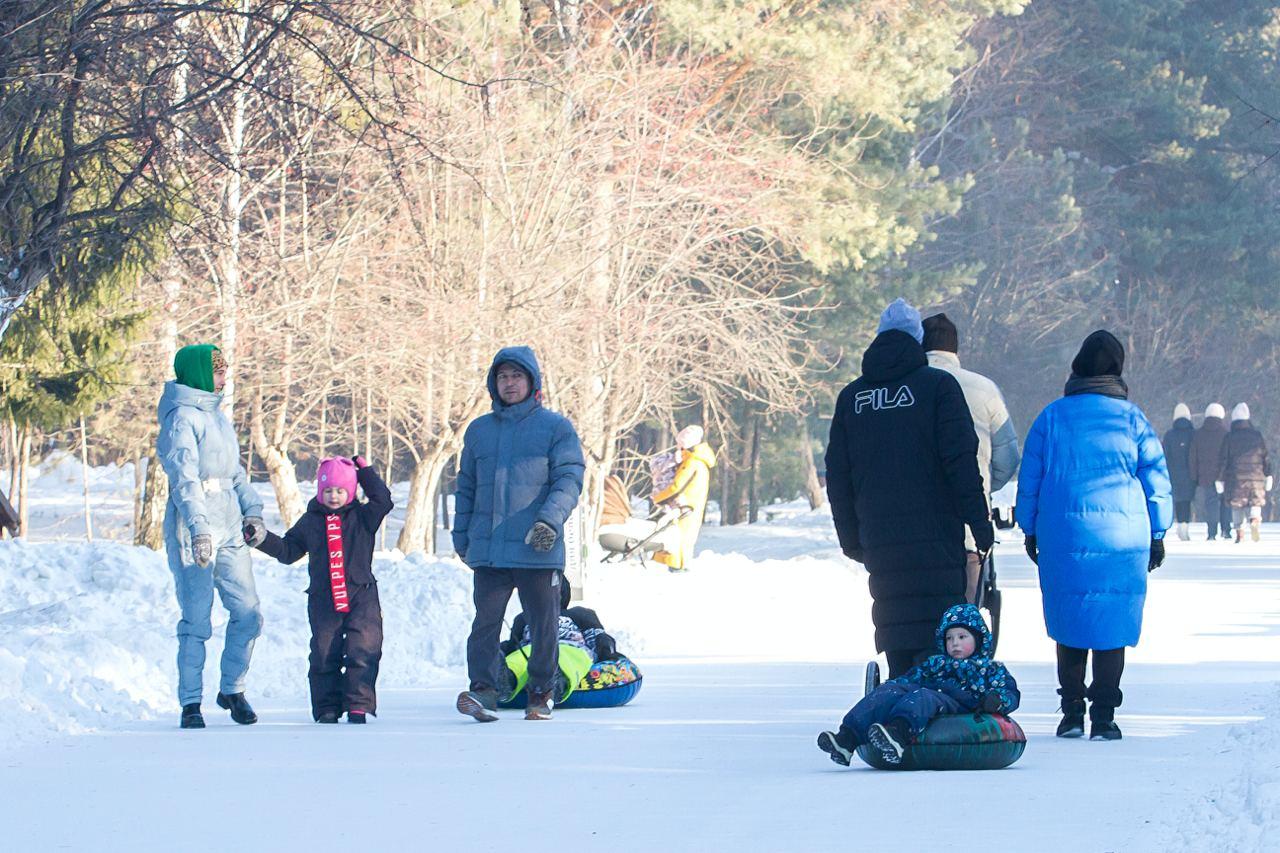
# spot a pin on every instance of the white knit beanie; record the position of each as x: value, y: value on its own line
x: 1181, y: 411
x: 1240, y: 412
x: 1215, y: 410
x: 689, y: 437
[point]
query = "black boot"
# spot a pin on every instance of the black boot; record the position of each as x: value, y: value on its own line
x: 356, y: 717
x: 191, y: 717
x: 327, y: 717
x: 239, y: 708
x: 1104, y: 730
x: 1072, y: 724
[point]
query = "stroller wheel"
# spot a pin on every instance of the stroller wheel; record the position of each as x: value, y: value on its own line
x: 872, y: 678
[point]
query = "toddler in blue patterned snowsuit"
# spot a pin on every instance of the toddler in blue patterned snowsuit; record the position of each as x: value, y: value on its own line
x: 961, y: 678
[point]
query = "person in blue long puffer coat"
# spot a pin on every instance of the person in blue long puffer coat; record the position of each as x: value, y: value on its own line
x: 210, y: 511
x: 519, y: 478
x: 961, y: 677
x: 1094, y: 501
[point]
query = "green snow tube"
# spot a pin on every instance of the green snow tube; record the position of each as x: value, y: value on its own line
x: 958, y: 742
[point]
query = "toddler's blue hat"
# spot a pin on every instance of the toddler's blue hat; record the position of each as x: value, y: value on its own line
x: 900, y: 315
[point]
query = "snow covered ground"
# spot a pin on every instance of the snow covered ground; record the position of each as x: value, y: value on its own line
x: 746, y: 658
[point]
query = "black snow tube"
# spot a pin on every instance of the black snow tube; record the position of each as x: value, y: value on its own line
x: 958, y: 742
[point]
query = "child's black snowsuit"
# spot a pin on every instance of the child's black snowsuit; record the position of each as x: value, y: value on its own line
x: 939, y: 685
x: 346, y: 647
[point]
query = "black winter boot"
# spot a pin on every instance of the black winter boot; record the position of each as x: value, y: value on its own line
x: 239, y: 707
x: 1104, y: 730
x: 191, y: 717
x: 327, y: 717
x: 1072, y: 724
x: 890, y: 740
x: 829, y: 742
x: 356, y: 717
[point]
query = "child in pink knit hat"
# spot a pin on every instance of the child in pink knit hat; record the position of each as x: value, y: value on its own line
x: 337, y: 533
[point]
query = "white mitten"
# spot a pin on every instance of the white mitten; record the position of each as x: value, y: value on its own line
x: 1219, y: 486
x: 1270, y: 482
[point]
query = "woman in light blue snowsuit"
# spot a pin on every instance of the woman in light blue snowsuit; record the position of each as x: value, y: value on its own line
x: 211, y: 512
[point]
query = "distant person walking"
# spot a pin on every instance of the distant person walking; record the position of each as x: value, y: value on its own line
x: 998, y: 455
x: 1177, y: 454
x: 1094, y: 501
x: 1205, y: 463
x: 1245, y: 476
x: 903, y: 479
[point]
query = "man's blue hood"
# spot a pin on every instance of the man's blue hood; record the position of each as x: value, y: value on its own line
x: 966, y: 616
x: 523, y: 358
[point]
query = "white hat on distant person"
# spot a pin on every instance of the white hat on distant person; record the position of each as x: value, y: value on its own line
x: 1240, y: 412
x: 689, y: 437
x: 1215, y: 410
x: 1182, y: 410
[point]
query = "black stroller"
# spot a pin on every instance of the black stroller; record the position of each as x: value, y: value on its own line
x: 989, y: 599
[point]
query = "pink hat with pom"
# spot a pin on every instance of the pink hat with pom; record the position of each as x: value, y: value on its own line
x: 337, y: 472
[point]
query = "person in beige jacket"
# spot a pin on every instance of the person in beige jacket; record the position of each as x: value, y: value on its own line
x: 998, y: 454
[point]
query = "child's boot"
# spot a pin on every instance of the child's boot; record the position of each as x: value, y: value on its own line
x: 829, y: 742
x: 1072, y: 724
x: 889, y: 740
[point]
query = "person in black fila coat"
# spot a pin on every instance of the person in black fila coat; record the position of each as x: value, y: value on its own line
x: 337, y: 533
x: 903, y: 479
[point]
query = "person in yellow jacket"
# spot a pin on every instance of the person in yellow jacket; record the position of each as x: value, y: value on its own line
x: 688, y: 489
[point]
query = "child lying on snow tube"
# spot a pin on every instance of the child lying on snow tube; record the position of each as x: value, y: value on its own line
x: 593, y: 674
x: 945, y: 714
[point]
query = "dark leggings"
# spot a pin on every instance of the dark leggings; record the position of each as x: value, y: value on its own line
x: 1104, y: 693
x: 901, y: 660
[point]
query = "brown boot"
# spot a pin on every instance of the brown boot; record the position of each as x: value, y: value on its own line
x: 1239, y: 533
x: 1255, y: 529
x: 539, y: 707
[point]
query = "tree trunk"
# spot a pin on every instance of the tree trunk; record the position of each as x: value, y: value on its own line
x: 24, y: 467
x: 280, y: 469
x: 84, y: 479
x: 150, y: 529
x: 812, y: 485
x: 419, y: 531
x: 753, y: 471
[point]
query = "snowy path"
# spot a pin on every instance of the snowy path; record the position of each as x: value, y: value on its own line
x: 717, y: 755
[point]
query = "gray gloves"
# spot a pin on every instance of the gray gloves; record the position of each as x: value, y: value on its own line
x: 254, y: 530
x: 541, y: 536
x: 202, y: 549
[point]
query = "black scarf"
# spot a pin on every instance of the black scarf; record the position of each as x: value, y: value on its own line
x: 1106, y: 385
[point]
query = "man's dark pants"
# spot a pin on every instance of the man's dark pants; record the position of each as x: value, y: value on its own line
x: 540, y: 599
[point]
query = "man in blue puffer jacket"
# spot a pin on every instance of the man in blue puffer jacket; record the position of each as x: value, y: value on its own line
x: 1094, y: 501
x: 519, y: 479
x: 211, y: 510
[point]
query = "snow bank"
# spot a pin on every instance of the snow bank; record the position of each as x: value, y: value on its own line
x: 87, y: 633
x: 1244, y: 814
